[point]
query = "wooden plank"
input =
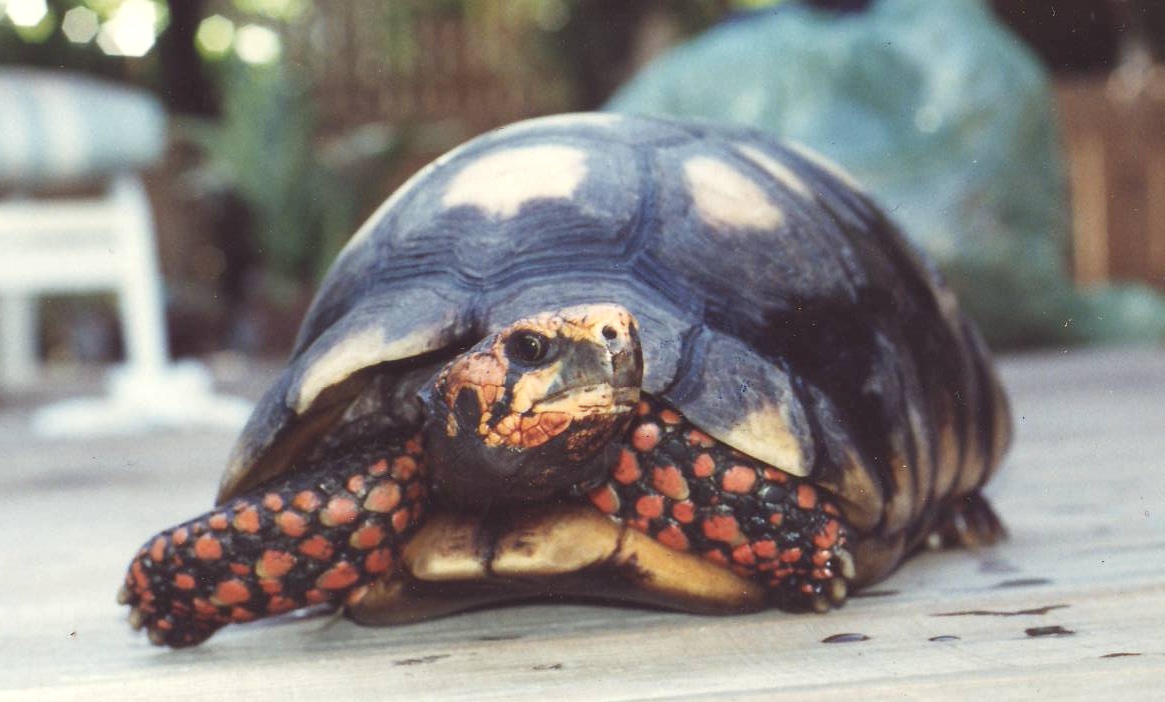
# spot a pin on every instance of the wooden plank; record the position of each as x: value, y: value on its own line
x: 1082, y: 495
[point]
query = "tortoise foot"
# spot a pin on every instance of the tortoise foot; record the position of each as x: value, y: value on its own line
x: 969, y: 522
x: 317, y: 537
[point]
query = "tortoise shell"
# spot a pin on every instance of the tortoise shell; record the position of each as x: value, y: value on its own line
x: 779, y: 308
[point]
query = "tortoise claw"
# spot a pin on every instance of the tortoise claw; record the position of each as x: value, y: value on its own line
x: 136, y: 619
x: 157, y: 637
x: 123, y: 595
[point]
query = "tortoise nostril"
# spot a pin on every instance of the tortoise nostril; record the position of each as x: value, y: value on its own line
x: 610, y: 333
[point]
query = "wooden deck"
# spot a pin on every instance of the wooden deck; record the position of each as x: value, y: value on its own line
x: 1073, y: 606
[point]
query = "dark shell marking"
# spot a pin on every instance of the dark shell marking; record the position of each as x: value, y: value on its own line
x: 317, y: 537
x: 692, y: 493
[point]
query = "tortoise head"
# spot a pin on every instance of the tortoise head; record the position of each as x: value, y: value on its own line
x: 534, y: 408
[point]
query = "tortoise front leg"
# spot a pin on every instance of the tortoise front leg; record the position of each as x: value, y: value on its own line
x: 694, y: 494
x: 320, y: 536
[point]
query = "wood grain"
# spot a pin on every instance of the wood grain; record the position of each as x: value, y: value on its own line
x: 1082, y: 493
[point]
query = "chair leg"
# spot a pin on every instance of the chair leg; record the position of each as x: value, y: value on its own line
x: 140, y: 291
x: 18, y: 339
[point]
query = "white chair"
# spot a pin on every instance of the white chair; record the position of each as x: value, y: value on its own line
x: 55, y: 245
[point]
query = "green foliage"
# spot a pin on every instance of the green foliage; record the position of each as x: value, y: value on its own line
x: 303, y: 204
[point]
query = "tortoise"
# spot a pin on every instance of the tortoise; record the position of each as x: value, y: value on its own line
x: 600, y: 357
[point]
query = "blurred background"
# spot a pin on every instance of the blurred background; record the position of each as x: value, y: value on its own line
x: 1019, y: 141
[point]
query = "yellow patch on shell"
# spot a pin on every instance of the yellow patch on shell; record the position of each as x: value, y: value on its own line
x: 775, y: 168
x: 725, y: 198
x: 500, y: 183
x: 765, y: 434
x: 357, y: 351
x: 826, y: 165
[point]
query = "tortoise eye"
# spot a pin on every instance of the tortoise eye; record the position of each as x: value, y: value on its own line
x: 527, y: 347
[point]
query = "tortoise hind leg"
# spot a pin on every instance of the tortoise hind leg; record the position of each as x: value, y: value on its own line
x: 968, y: 522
